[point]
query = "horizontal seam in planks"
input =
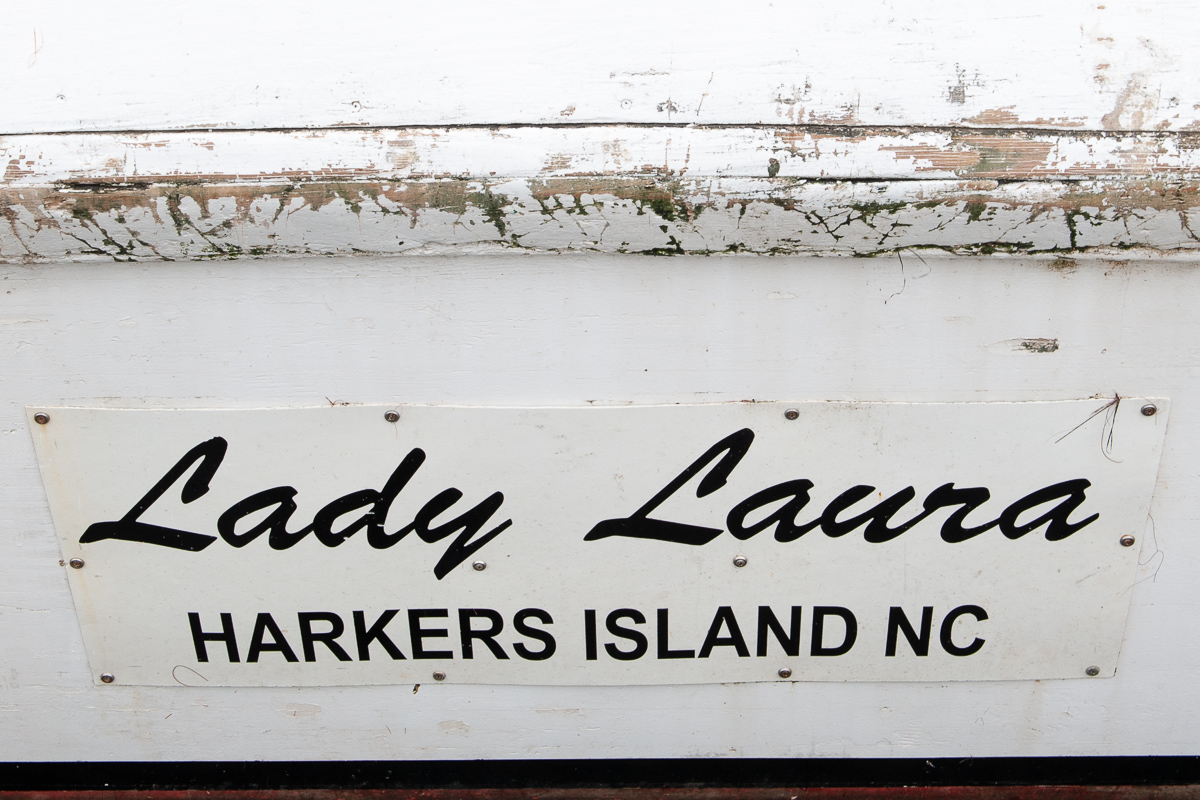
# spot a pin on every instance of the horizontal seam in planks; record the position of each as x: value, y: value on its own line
x: 899, y: 130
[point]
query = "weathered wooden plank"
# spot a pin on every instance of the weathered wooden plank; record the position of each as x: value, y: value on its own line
x: 615, y: 189
x: 619, y: 215
x: 486, y: 153
x: 1075, y: 64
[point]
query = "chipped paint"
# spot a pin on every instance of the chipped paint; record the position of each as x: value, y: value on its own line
x: 809, y: 151
x: 1022, y: 64
x: 595, y: 188
x: 1007, y: 117
x: 616, y: 215
x: 1134, y: 107
x: 1039, y: 345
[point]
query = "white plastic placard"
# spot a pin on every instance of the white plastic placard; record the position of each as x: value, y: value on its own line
x: 825, y: 541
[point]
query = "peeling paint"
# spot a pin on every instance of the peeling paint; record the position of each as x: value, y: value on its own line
x: 617, y: 214
x: 1007, y: 117
x: 1134, y: 106
x: 1039, y: 345
x: 1019, y: 346
x: 661, y: 191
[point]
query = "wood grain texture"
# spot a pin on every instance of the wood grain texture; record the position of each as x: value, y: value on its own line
x: 1074, y: 64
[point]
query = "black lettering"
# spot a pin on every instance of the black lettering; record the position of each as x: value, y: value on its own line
x: 640, y: 644
x: 877, y: 530
x: 767, y: 621
x: 278, y: 644
x: 639, y: 525
x: 969, y: 500
x: 309, y: 638
x: 898, y: 622
x: 129, y: 529
x: 948, y: 629
x: 363, y: 635
x: 589, y: 634
x: 783, y: 518
x: 199, y: 637
x: 819, y: 613
x: 377, y: 537
x: 418, y: 634
x: 322, y: 524
x: 525, y: 629
x: 469, y: 523
x: 275, y: 522
x: 724, y: 618
x: 1058, y: 528
x: 487, y: 636
x: 664, y: 639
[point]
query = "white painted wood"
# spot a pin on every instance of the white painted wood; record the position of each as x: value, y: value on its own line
x: 499, y: 153
x: 616, y: 189
x: 572, y: 330
x: 1116, y: 65
x: 639, y: 216
x: 541, y: 530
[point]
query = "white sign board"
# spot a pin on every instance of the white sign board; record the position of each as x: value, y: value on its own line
x: 636, y: 545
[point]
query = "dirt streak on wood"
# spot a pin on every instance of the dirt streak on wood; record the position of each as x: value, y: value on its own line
x: 617, y: 189
x: 602, y: 214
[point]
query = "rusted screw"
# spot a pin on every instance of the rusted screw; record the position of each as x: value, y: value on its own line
x: 76, y: 563
x: 1149, y: 410
x: 1092, y: 671
x: 785, y: 673
x: 1127, y: 541
x: 107, y: 678
x: 739, y: 561
x: 41, y: 418
x: 439, y: 676
x: 479, y: 566
x: 391, y: 416
x: 791, y: 413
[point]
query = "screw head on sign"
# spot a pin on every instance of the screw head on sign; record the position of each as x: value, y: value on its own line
x: 439, y: 676
x: 76, y: 563
x: 1149, y: 410
x: 740, y: 561
x: 1127, y: 541
x: 391, y: 416
x: 785, y: 673
x: 41, y: 418
x: 1092, y: 671
x: 107, y: 678
x: 479, y: 566
x: 792, y: 413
